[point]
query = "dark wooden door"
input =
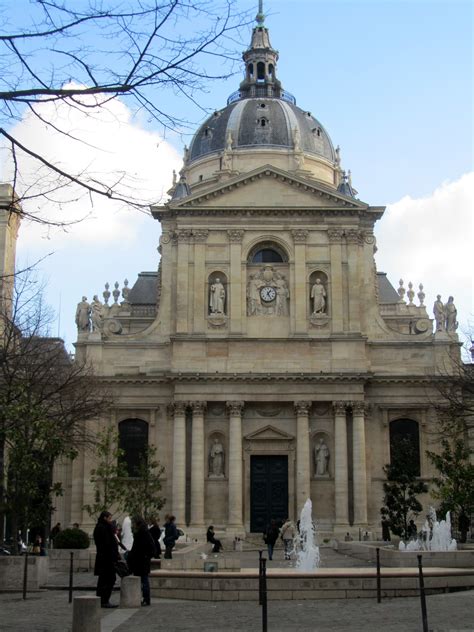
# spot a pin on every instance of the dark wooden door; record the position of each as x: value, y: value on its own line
x: 268, y: 490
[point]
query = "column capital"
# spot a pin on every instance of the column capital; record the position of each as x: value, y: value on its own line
x: 335, y: 235
x: 302, y: 407
x: 235, y: 235
x: 359, y: 408
x: 339, y: 408
x: 300, y: 236
x: 235, y: 408
x: 198, y: 407
x: 354, y: 236
x: 184, y: 235
x: 177, y: 408
x: 200, y: 236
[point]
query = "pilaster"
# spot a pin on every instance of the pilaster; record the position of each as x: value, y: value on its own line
x: 200, y: 298
x: 182, y: 273
x: 301, y: 320
x: 235, y: 238
x: 335, y: 254
x: 235, y: 409
x: 178, y: 501
x: 197, y: 465
x: 303, y: 468
x: 354, y: 254
x: 341, y: 482
x: 359, y: 463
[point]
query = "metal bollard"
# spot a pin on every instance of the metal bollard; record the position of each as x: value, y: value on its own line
x: 71, y: 572
x: 379, y: 591
x: 260, y: 553
x: 25, y: 575
x: 264, y: 596
x: 424, y: 615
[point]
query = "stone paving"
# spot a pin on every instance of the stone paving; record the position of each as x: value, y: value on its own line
x: 49, y: 610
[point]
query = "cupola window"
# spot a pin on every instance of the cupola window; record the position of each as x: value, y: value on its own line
x: 262, y: 122
x: 260, y: 71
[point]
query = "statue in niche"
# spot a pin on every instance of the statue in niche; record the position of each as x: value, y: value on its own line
x: 217, y: 297
x: 439, y: 314
x: 216, y: 459
x: 253, y: 296
x: 83, y: 312
x: 451, y: 313
x: 318, y: 295
x: 97, y: 314
x: 283, y: 294
x: 321, y: 458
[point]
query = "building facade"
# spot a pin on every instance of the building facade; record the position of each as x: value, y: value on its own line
x: 266, y: 359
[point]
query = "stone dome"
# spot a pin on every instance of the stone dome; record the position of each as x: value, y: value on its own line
x: 251, y: 122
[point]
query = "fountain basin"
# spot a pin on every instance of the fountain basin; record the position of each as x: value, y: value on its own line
x: 392, y: 557
x: 292, y: 584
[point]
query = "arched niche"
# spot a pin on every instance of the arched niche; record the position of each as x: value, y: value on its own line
x: 216, y: 456
x: 318, y: 294
x: 321, y: 454
x: 217, y: 293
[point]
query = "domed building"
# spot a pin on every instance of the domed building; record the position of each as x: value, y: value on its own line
x: 266, y: 359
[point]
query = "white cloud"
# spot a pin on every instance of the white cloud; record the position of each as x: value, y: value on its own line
x: 429, y: 240
x: 114, y: 242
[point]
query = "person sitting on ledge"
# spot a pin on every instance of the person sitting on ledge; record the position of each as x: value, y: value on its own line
x: 211, y: 537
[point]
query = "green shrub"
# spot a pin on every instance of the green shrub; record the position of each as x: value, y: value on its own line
x: 71, y: 539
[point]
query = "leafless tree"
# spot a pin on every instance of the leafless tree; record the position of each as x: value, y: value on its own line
x: 45, y: 400
x: 83, y: 55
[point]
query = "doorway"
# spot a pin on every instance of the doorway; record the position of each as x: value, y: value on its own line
x: 268, y: 490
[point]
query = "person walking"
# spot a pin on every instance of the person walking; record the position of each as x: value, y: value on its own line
x: 139, y: 557
x: 270, y: 537
x: 171, y: 535
x: 155, y: 533
x: 211, y: 537
x: 106, y: 557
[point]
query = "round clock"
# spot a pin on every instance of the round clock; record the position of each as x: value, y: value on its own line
x: 267, y: 294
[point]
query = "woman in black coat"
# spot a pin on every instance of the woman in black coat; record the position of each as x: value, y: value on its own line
x: 139, y: 558
x: 211, y: 537
x: 155, y: 533
x: 106, y: 557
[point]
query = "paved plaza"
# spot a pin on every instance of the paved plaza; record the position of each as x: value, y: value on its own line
x: 49, y: 610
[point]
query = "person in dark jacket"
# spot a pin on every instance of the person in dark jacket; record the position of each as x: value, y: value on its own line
x: 155, y: 533
x: 171, y: 535
x: 211, y: 537
x: 270, y: 537
x: 139, y: 558
x: 106, y: 557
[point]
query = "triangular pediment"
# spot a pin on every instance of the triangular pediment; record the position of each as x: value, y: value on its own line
x: 269, y: 433
x: 269, y: 187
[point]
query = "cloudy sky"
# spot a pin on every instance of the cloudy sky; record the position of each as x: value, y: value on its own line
x: 392, y: 84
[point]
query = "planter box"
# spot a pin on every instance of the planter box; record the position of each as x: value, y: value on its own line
x: 11, y: 572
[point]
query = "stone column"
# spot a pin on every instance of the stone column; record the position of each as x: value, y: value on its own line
x: 341, y: 483
x: 335, y: 254
x: 235, y: 464
x: 197, y: 465
x: 359, y: 464
x: 182, y: 273
x: 354, y: 241
x: 178, y: 501
x: 300, y: 301
x: 235, y: 281
x: 303, y: 466
x: 200, y: 287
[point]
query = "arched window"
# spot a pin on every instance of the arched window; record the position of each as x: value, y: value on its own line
x: 133, y: 440
x: 267, y: 252
x: 404, y: 434
x: 260, y: 71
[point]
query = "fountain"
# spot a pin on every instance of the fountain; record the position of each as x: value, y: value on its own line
x: 307, y: 558
x: 435, y: 536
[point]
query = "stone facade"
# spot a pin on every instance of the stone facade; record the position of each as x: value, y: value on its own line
x: 267, y: 331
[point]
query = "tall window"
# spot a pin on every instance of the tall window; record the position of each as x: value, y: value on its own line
x: 133, y: 440
x: 405, y: 432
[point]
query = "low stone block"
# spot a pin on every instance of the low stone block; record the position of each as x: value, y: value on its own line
x: 130, y: 592
x: 86, y: 614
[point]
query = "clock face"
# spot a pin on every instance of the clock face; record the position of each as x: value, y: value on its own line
x: 267, y: 294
